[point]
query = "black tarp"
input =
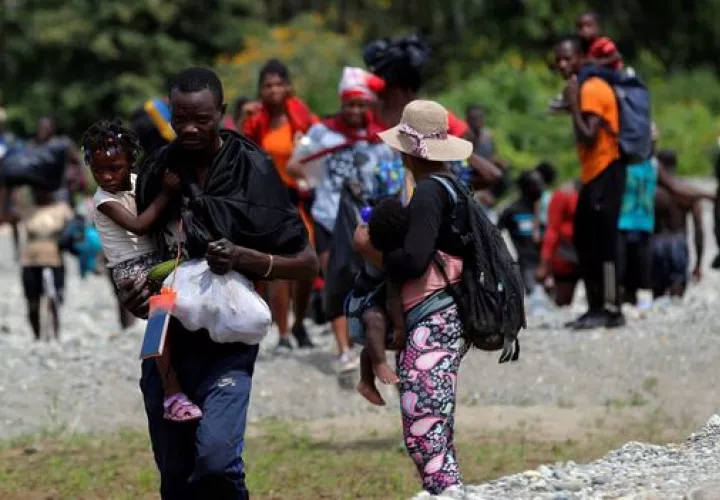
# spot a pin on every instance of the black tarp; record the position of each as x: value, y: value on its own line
x: 243, y: 198
x: 40, y: 166
x: 343, y: 263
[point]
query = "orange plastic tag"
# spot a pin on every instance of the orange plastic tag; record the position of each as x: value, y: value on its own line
x: 165, y: 300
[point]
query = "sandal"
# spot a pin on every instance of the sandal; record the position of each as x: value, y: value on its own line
x: 179, y: 409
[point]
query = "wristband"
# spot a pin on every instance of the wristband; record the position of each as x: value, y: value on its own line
x: 270, y: 266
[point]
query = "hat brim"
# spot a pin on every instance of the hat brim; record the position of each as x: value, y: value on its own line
x: 450, y: 149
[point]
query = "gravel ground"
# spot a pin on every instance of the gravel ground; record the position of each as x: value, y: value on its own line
x: 664, y: 360
x: 636, y: 471
x: 88, y: 381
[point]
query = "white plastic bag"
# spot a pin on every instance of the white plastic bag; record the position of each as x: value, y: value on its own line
x: 226, y: 305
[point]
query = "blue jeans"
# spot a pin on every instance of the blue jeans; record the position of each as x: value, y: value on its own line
x: 204, y: 459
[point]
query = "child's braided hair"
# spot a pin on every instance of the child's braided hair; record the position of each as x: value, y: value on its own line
x: 107, y: 135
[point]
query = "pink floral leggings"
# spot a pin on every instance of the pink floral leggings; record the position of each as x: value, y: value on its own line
x: 428, y: 368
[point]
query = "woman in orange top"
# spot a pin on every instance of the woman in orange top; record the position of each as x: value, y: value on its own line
x: 279, y: 120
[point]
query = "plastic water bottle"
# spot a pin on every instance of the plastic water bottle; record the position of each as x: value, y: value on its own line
x: 365, y: 214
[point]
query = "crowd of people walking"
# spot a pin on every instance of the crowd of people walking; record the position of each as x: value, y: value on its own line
x: 374, y: 207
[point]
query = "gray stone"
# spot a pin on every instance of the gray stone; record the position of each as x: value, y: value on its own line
x: 710, y: 491
x: 572, y: 485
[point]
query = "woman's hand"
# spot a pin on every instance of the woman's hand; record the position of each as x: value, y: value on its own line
x: 296, y: 170
x: 363, y: 246
x: 221, y: 256
x: 134, y: 295
x: 542, y: 272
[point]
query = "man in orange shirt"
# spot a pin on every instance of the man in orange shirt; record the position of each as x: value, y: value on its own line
x: 595, y: 115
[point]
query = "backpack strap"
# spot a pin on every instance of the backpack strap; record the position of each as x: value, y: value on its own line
x: 447, y: 184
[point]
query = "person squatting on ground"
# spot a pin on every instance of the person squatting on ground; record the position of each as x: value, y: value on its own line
x: 670, y: 254
x: 275, y: 126
x: 111, y: 152
x: 558, y: 258
x: 595, y: 117
x: 204, y: 459
x: 435, y: 346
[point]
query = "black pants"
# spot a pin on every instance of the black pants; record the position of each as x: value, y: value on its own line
x: 202, y: 460
x: 596, y: 236
x: 635, y: 263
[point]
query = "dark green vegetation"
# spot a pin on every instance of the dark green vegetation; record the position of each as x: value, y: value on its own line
x: 81, y: 60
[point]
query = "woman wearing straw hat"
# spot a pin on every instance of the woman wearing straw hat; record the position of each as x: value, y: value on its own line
x: 428, y: 365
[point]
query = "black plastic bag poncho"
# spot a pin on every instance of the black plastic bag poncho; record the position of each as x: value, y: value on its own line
x: 242, y: 199
x: 344, y: 262
x: 41, y: 166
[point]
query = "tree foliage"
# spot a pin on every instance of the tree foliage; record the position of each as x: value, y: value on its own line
x: 81, y: 59
x: 314, y: 55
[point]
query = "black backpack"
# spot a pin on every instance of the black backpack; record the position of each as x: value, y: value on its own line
x: 490, y: 294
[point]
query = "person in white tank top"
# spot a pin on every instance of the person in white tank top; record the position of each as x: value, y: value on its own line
x: 110, y: 151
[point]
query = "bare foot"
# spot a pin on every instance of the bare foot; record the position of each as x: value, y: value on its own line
x: 370, y: 392
x: 386, y: 374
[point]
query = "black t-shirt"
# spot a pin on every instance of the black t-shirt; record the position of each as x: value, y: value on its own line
x: 429, y: 230
x: 518, y: 220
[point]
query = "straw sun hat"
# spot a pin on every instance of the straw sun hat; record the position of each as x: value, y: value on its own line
x: 423, y: 132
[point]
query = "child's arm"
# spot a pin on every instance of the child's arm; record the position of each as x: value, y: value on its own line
x: 610, y: 60
x: 142, y: 223
x: 396, y: 313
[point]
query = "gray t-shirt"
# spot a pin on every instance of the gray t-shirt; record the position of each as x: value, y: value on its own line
x: 484, y: 145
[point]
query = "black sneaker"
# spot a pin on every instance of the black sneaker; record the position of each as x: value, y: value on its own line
x: 571, y: 324
x: 716, y: 262
x: 302, y: 337
x: 284, y: 347
x: 596, y: 319
x: 615, y: 320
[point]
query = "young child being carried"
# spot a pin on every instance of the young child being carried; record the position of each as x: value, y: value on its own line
x: 378, y: 304
x: 110, y: 151
x: 598, y: 50
x: 383, y: 305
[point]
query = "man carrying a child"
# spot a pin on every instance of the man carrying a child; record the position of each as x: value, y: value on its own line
x: 594, y: 111
x: 223, y: 175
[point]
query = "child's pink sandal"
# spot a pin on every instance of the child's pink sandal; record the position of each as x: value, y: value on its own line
x: 179, y: 408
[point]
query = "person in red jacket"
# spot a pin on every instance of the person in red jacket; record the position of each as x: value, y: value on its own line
x: 280, y: 119
x: 557, y: 255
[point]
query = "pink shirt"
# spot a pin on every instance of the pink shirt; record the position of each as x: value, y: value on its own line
x: 414, y: 292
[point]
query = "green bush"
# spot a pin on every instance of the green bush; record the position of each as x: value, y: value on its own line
x: 516, y: 93
x: 314, y: 55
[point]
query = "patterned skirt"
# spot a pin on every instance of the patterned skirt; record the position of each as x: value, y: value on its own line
x: 137, y: 267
